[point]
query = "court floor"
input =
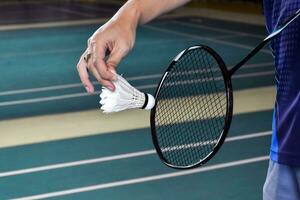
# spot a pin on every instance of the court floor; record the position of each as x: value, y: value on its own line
x: 55, y: 143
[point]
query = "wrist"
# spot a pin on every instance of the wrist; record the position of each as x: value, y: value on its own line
x: 129, y: 14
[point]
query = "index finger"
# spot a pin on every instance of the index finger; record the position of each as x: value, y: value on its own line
x: 83, y: 74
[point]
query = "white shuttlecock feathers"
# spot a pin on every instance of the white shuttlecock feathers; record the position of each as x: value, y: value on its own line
x: 124, y: 97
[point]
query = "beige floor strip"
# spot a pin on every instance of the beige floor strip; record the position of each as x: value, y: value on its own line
x: 70, y: 125
x: 53, y: 24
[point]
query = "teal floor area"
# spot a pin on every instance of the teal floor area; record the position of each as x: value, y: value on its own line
x: 240, y: 182
x: 39, y: 77
x: 35, y: 59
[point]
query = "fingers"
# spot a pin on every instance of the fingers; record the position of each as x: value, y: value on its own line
x: 106, y: 83
x: 102, y: 65
x: 115, y: 57
x: 104, y: 70
x: 98, y: 66
x: 99, y: 61
x: 83, y: 74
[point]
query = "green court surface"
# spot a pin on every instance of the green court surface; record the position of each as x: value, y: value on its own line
x: 39, y: 78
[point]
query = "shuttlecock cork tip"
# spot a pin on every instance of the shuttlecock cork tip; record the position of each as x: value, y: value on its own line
x: 150, y: 102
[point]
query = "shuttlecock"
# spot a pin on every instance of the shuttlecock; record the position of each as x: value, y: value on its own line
x: 124, y: 97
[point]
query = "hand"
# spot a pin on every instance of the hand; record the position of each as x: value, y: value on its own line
x: 111, y: 42
x: 105, y: 49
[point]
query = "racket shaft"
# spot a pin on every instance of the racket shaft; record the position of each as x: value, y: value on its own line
x: 264, y: 42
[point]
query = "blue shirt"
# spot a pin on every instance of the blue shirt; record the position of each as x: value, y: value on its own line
x: 285, y: 147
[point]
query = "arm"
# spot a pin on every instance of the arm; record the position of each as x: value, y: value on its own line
x: 147, y: 10
x: 117, y: 37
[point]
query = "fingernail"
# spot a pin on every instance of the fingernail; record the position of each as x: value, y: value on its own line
x: 113, y: 70
x: 110, y: 87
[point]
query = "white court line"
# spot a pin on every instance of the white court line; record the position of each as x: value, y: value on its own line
x: 74, y: 85
x: 146, y: 179
x: 43, y: 99
x: 186, y: 24
x: 218, y: 29
x: 115, y: 157
x: 210, y: 142
x: 82, y: 94
x: 188, y: 146
x: 224, y: 37
x: 233, y: 44
x: 67, y: 50
x: 41, y: 52
x: 266, y: 73
x: 193, y: 81
x: 66, y: 10
x: 134, y: 78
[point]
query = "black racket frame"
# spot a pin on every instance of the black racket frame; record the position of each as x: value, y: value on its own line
x: 229, y: 98
x: 229, y: 93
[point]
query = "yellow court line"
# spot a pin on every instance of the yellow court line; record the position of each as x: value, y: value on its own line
x: 85, y: 123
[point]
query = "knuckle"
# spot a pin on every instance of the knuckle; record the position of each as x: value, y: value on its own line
x: 91, y: 42
x: 78, y: 67
x: 102, y: 82
x: 95, y: 64
x: 112, y: 63
x: 104, y: 76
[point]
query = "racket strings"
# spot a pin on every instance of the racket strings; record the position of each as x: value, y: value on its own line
x: 190, y: 109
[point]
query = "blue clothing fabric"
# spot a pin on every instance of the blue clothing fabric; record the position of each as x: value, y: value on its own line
x: 285, y: 147
x: 282, y: 182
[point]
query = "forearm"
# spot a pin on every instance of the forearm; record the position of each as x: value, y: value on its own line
x: 143, y: 11
x: 150, y: 9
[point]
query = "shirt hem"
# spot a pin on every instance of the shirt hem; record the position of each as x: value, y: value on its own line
x: 285, y: 158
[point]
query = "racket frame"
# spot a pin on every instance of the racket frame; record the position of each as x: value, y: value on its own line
x: 227, y: 81
x: 227, y: 118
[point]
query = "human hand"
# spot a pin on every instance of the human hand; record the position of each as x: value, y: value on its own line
x: 111, y: 42
x: 105, y: 49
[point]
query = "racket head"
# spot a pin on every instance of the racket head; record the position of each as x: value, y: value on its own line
x: 178, y: 119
